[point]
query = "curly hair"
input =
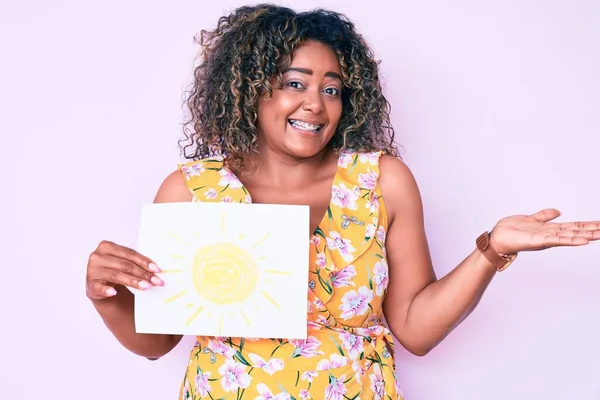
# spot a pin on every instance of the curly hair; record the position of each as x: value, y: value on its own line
x: 254, y: 45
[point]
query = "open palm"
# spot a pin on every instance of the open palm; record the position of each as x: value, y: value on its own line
x: 536, y: 232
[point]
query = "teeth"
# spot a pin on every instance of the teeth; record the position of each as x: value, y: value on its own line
x: 305, y: 125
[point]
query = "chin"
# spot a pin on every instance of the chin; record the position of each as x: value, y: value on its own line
x: 304, y: 151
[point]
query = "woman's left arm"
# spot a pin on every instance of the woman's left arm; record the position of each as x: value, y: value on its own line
x: 422, y: 310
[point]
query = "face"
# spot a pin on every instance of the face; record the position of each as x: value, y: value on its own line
x: 301, y: 116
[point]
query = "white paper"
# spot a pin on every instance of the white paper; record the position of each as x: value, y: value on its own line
x: 234, y: 270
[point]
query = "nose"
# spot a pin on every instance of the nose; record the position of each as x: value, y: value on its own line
x: 313, y: 102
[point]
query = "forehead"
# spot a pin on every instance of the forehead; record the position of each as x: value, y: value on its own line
x: 315, y: 55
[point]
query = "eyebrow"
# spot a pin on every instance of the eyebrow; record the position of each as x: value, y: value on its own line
x: 310, y: 72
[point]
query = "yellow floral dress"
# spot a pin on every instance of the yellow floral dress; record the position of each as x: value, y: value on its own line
x: 348, y: 352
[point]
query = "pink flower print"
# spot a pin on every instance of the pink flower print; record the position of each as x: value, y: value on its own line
x: 367, y: 180
x: 266, y: 394
x: 352, y: 343
x: 186, y: 391
x: 343, y: 277
x: 234, y: 376
x: 315, y: 240
x: 380, y: 276
x: 321, y: 260
x: 344, y: 160
x: 377, y: 385
x: 220, y: 348
x: 336, y: 388
x: 334, y: 361
x: 372, y: 204
x: 356, y: 303
x: 370, y: 158
x: 192, y: 170
x: 309, y: 307
x: 375, y: 331
x: 335, y: 241
x: 359, y: 370
x: 202, y: 384
x: 381, y: 233
x: 270, y: 367
x: 247, y: 199
x: 228, y: 178
x: 306, y: 347
x: 370, y: 231
x: 318, y: 304
x: 226, y: 199
x: 343, y: 197
x: 304, y: 395
x: 210, y: 194
x: 309, y: 375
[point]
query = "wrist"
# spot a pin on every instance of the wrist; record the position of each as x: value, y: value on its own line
x: 493, y: 252
x: 495, y: 246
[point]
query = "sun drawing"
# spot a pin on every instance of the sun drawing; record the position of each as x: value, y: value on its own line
x: 228, y: 276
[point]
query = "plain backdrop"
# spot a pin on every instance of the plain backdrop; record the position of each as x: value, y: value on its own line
x: 496, y: 105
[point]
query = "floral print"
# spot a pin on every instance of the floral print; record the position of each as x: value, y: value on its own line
x: 348, y: 353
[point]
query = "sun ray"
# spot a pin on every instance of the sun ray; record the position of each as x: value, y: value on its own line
x: 176, y: 296
x: 197, y: 235
x: 277, y: 272
x: 245, y: 318
x: 220, y: 324
x: 261, y: 258
x: 189, y: 305
x: 267, y: 280
x: 177, y: 256
x: 194, y: 315
x: 177, y: 238
x: 241, y: 236
x: 266, y: 295
x: 262, y: 240
x: 170, y: 271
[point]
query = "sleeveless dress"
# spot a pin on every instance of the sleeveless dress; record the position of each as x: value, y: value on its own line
x: 348, y: 352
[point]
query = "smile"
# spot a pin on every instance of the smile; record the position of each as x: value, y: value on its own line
x: 305, y: 126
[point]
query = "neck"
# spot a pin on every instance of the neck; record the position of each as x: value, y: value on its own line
x: 275, y: 169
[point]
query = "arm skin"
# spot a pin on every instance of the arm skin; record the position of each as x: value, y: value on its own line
x: 420, y: 309
x: 117, y: 312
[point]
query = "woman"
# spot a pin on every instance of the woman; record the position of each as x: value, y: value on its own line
x: 288, y: 107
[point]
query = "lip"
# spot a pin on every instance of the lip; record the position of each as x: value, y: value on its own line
x: 306, y: 132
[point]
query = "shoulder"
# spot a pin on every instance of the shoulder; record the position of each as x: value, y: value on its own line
x: 399, y: 187
x: 173, y: 189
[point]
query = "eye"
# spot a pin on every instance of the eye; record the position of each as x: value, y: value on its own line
x: 332, y: 91
x: 295, y: 85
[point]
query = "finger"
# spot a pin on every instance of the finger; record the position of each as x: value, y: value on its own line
x: 584, y: 226
x: 117, y: 277
x: 107, y: 247
x: 99, y: 290
x: 130, y: 268
x: 553, y: 241
x: 589, y: 235
x: 546, y: 215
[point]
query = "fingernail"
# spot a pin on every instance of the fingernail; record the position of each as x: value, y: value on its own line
x: 156, y: 280
x: 144, y: 285
x: 153, y: 267
x: 111, y: 292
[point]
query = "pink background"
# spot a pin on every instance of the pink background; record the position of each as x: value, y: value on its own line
x: 496, y: 104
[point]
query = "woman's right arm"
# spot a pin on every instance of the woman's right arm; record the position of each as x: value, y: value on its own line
x: 112, y: 267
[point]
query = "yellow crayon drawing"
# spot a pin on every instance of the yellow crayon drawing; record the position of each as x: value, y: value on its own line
x: 228, y: 276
